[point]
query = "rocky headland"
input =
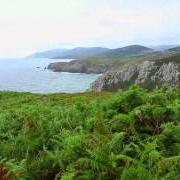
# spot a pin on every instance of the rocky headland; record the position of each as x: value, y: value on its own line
x: 150, y: 70
x: 148, y: 74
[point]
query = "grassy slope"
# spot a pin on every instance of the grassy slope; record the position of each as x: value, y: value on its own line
x: 118, y: 61
x: 105, y: 62
x: 78, y: 53
x: 128, y: 135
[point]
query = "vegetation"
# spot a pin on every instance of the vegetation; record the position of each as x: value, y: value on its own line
x: 81, y: 52
x: 132, y: 134
x: 106, y: 62
x: 117, y: 61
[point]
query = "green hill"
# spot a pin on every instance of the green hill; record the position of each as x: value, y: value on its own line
x: 81, y: 52
x: 132, y: 50
x: 175, y: 50
x: 86, y: 52
x: 75, y: 53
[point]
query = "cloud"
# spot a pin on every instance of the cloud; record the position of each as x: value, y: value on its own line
x: 30, y: 25
x: 35, y: 33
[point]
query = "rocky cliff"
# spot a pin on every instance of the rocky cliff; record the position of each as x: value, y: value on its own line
x: 147, y: 73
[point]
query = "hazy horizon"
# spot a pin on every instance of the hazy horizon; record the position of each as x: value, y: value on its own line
x: 37, y: 25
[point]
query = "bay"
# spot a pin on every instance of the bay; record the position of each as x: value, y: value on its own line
x: 32, y: 75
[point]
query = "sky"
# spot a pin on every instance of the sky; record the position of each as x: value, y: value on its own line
x: 27, y: 26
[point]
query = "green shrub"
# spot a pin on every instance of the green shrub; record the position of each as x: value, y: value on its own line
x: 131, y: 134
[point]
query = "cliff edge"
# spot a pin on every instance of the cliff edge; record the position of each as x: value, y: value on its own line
x: 147, y: 73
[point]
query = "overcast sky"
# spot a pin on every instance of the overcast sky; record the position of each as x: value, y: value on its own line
x: 32, y: 25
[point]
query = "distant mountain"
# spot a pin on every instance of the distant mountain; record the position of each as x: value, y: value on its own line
x: 163, y: 47
x: 88, y: 52
x: 100, y: 52
x: 104, y: 53
x: 175, y: 49
x: 81, y: 53
x: 48, y: 54
x: 132, y: 50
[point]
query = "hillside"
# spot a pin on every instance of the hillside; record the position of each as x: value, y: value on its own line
x: 48, y: 54
x: 109, y: 60
x: 163, y: 47
x: 148, y: 73
x: 128, y: 135
x: 98, y: 52
x: 132, y: 50
x: 175, y: 49
x: 81, y: 52
x: 101, y: 64
x: 75, y: 53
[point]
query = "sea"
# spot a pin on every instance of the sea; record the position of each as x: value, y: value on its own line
x: 32, y: 75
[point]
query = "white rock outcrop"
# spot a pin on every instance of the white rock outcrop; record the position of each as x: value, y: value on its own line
x: 147, y: 72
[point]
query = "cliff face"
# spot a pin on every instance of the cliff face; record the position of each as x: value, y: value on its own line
x: 147, y: 73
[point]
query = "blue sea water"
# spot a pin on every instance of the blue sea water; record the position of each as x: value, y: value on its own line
x: 30, y: 75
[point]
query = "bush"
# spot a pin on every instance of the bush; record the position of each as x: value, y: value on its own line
x: 131, y: 134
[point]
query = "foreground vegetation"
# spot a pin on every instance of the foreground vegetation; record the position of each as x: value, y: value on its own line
x: 132, y: 134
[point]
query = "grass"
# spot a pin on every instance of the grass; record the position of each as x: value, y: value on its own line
x: 116, y: 62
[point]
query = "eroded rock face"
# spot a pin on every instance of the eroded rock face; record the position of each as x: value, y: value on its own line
x: 147, y: 73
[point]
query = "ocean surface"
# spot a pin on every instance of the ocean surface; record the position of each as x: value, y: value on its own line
x: 31, y: 75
